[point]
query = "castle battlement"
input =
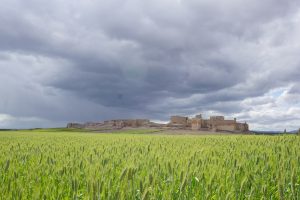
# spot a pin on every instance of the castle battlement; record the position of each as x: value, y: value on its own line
x: 214, y: 123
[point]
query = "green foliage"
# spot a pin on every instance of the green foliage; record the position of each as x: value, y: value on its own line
x: 73, y: 165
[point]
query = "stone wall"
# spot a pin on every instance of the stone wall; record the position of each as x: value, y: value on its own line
x: 222, y: 122
x: 218, y: 123
x: 214, y: 123
x: 112, y: 124
x: 179, y: 120
x: 134, y: 123
x: 243, y: 127
x: 227, y: 127
x: 234, y: 127
x: 196, y: 124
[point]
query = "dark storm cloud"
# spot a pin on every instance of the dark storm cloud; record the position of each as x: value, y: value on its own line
x: 89, y: 60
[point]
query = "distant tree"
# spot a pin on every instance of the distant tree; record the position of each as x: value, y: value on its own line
x: 284, y: 131
x: 299, y: 132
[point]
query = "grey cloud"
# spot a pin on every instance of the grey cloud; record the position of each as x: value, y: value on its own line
x: 144, y: 59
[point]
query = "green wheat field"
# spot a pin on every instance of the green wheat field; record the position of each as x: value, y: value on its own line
x: 58, y: 164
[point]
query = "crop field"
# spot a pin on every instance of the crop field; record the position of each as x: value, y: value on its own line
x: 77, y: 165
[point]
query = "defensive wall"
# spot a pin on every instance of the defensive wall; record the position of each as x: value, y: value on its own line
x: 214, y: 123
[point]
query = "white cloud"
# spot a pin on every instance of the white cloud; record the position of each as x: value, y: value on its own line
x: 274, y: 111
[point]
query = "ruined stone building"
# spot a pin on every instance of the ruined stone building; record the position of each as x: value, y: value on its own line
x: 134, y: 123
x: 112, y: 124
x: 214, y: 123
x: 179, y: 122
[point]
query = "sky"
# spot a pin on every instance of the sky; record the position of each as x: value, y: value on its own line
x: 76, y: 61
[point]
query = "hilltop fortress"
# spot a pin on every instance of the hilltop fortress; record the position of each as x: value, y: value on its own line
x: 214, y: 123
